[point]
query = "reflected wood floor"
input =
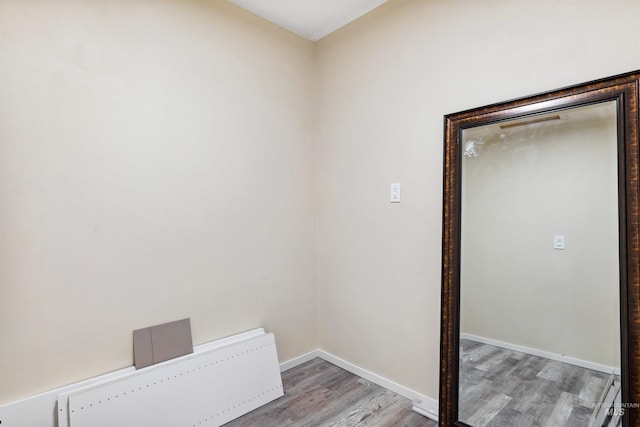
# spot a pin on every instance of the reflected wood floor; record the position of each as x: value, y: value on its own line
x: 318, y: 393
x: 500, y: 387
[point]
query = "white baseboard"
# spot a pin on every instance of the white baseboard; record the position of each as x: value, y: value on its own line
x: 40, y: 410
x: 422, y: 404
x: 541, y: 353
x: 297, y: 361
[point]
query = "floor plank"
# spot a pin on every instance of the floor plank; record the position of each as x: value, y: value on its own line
x: 318, y: 393
x: 500, y: 387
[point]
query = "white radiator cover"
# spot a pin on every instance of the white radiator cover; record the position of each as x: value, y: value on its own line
x: 210, y: 387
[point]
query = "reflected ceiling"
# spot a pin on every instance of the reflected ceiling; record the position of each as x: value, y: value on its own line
x: 527, y: 128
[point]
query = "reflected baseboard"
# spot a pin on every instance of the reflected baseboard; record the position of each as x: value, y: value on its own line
x: 541, y: 353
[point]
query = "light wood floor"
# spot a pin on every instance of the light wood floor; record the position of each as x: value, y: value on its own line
x: 318, y: 393
x: 501, y: 387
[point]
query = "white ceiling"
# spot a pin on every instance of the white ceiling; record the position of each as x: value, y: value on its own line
x: 311, y: 19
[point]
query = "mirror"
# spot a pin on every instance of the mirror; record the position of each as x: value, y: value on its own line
x: 540, y: 285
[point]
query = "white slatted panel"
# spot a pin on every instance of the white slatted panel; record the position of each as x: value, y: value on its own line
x: 208, y: 388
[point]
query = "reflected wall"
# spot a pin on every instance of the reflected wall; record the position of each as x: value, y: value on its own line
x: 523, y: 185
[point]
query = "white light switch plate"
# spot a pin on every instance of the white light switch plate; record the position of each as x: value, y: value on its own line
x: 558, y: 242
x: 395, y: 193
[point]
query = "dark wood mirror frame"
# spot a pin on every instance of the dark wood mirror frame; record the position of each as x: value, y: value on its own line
x: 624, y: 89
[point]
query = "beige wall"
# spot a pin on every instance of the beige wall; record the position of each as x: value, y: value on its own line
x: 142, y: 146
x: 156, y: 163
x: 541, y: 180
x: 384, y: 84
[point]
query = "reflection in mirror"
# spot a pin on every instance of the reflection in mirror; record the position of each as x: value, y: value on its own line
x: 539, y: 270
x: 541, y: 260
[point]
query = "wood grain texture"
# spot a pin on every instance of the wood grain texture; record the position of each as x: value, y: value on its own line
x: 500, y: 387
x: 318, y: 393
x: 624, y: 90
